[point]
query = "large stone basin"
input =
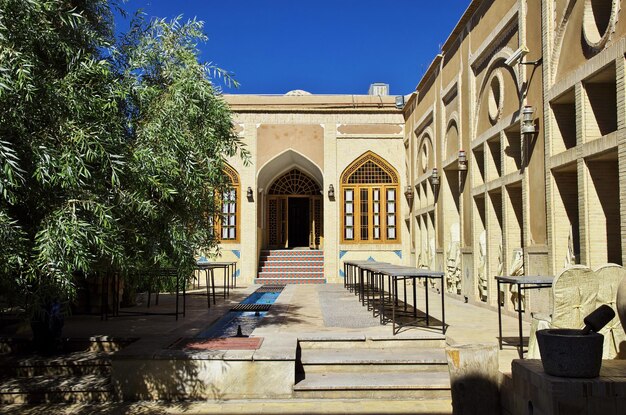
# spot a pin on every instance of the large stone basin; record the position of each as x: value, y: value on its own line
x: 570, y: 353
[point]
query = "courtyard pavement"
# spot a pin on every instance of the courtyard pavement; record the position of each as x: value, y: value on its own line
x: 324, y: 308
x: 328, y: 310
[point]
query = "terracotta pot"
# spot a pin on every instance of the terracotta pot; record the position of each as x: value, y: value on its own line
x: 621, y: 302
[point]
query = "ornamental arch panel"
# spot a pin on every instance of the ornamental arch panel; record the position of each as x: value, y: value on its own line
x: 370, y: 200
x: 369, y: 168
x: 295, y: 182
x: 294, y: 211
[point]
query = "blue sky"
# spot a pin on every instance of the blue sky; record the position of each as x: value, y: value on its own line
x: 322, y: 46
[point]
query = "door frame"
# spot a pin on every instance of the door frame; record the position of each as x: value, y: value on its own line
x: 283, y: 221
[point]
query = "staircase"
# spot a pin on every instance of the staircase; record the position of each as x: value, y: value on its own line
x: 73, y: 377
x: 291, y: 267
x: 374, y: 369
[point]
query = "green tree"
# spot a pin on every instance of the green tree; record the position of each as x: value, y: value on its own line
x: 181, y: 132
x: 61, y: 134
x: 110, y: 155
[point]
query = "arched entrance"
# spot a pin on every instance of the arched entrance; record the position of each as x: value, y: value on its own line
x: 294, y: 212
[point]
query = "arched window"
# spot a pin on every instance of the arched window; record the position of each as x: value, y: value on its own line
x: 369, y: 189
x: 294, y: 182
x: 229, y: 223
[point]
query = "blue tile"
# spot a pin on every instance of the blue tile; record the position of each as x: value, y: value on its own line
x: 399, y: 253
x: 237, y: 253
x: 341, y: 273
x: 342, y: 253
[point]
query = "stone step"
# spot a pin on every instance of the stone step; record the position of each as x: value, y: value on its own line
x: 253, y: 406
x: 285, y: 281
x: 373, y: 360
x: 431, y: 385
x: 13, y: 346
x: 357, y: 369
x: 292, y: 253
x: 294, y: 274
x: 52, y: 389
x: 291, y: 261
x: 291, y: 268
x: 422, y: 340
x: 71, y: 364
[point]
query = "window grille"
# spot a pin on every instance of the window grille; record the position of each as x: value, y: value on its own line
x: 370, y: 190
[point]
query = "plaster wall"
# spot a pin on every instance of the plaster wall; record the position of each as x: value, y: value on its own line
x: 202, y: 379
x: 331, y: 140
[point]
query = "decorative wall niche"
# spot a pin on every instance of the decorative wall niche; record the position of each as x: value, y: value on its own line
x: 564, y: 116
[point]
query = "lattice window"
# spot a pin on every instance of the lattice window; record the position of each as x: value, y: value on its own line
x: 273, y: 221
x: 370, y: 173
x: 391, y: 214
x: 369, y: 191
x: 229, y: 215
x: 317, y: 203
x: 232, y: 174
x: 294, y: 182
x: 283, y: 220
x: 348, y: 214
x: 376, y: 213
x: 369, y: 169
x: 228, y: 225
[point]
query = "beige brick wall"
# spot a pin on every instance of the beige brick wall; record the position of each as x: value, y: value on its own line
x: 581, y: 135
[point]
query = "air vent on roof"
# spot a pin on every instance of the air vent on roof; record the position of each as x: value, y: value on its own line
x: 378, y: 88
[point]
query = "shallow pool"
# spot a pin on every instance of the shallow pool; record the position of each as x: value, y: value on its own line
x: 248, y: 320
x: 261, y: 298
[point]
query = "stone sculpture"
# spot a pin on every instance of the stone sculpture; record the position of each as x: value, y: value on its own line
x: 482, y: 266
x: 570, y: 257
x: 517, y: 268
x: 620, y: 302
x: 453, y: 260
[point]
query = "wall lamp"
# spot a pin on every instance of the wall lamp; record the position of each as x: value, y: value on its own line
x: 434, y: 181
x: 434, y: 177
x: 462, y: 163
x: 408, y: 193
x: 528, y: 122
x: 331, y: 191
x: 249, y: 193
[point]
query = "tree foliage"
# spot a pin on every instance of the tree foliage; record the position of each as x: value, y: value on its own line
x: 111, y: 152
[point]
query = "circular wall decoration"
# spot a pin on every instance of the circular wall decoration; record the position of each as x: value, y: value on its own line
x: 496, y: 97
x: 599, y: 19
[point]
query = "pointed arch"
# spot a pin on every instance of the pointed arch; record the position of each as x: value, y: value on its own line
x: 370, y: 199
x: 369, y: 168
x: 295, y: 182
x: 283, y: 163
x: 452, y: 139
x: 231, y: 173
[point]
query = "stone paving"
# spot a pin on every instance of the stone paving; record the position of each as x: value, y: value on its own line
x: 340, y: 310
x: 306, y: 309
x: 328, y: 308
